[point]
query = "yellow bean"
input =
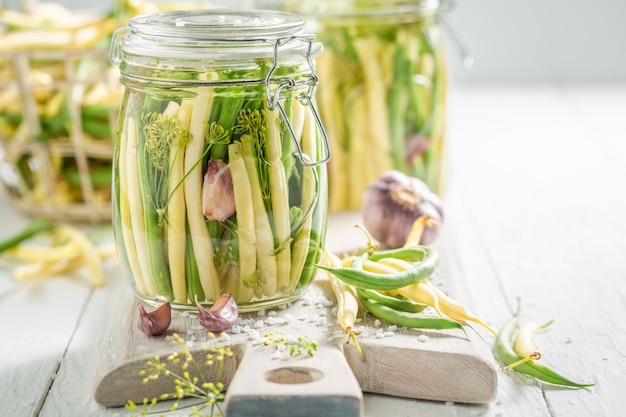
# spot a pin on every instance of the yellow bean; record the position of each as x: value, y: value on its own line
x: 456, y: 310
x: 347, y: 301
x: 44, y: 253
x: 420, y: 292
x: 372, y: 266
x: 417, y: 229
x: 524, y: 343
x: 397, y: 264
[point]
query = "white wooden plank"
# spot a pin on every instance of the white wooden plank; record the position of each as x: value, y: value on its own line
x: 37, y: 319
x: 544, y: 200
x: 35, y: 343
x: 72, y: 392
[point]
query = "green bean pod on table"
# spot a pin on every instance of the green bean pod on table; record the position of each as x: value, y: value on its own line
x: 393, y: 285
x: 505, y: 351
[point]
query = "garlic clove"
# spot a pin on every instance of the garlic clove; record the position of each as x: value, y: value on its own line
x: 218, y: 197
x: 221, y: 316
x: 157, y: 321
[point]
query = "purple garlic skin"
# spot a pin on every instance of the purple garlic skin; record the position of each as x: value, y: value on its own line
x: 393, y: 202
x: 157, y: 321
x: 218, y: 197
x: 221, y: 316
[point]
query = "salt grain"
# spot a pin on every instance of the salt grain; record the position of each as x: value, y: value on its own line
x: 392, y: 328
x: 377, y: 323
x: 260, y: 313
x: 271, y: 321
x: 422, y: 338
x: 313, y: 318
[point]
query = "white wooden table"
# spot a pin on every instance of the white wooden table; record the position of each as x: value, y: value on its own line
x: 536, y: 209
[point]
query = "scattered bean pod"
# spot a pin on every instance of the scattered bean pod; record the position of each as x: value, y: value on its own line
x: 424, y: 261
x: 412, y: 320
x: 505, y: 352
x: 397, y: 302
x: 347, y: 302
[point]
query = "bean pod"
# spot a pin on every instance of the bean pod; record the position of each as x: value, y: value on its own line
x: 412, y: 320
x: 506, y: 354
x: 424, y: 263
x: 397, y: 302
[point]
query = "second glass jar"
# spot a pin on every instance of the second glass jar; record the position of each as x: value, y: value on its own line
x: 382, y: 92
x: 219, y: 166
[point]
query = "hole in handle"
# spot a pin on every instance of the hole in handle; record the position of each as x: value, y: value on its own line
x: 294, y: 375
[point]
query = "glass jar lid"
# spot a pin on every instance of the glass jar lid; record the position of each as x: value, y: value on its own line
x: 218, y: 25
x: 355, y: 8
x: 214, y: 34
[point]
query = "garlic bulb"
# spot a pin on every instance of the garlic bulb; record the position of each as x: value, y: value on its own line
x: 221, y: 316
x: 393, y: 202
x: 218, y: 198
x: 157, y: 321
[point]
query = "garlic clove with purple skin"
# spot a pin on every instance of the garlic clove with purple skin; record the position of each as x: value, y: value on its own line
x: 393, y: 202
x: 157, y: 321
x: 221, y: 316
x: 218, y: 197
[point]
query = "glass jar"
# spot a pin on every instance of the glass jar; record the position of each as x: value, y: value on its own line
x: 382, y: 94
x: 220, y: 179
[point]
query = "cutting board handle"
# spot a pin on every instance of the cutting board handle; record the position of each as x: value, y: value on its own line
x: 299, y: 386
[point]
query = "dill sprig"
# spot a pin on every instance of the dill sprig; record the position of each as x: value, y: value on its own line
x: 161, y: 132
x: 186, y: 385
x: 296, y: 345
x: 252, y: 127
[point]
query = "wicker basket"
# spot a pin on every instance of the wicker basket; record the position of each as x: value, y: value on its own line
x: 50, y: 172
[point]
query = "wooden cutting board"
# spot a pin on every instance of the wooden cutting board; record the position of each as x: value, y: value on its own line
x: 262, y: 381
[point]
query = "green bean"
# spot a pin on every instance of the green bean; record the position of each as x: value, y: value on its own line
x: 506, y: 354
x: 397, y: 302
x: 35, y: 227
x: 412, y: 320
x: 415, y: 253
x: 428, y: 260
